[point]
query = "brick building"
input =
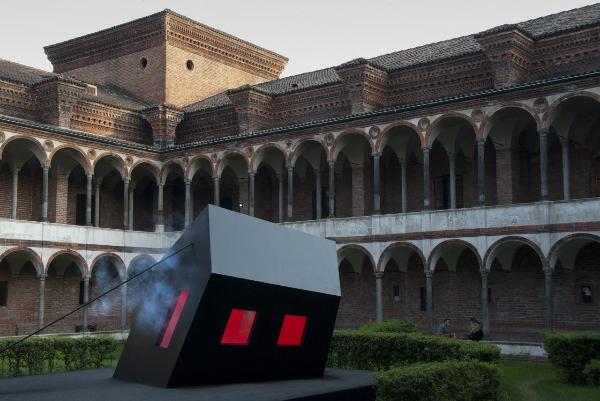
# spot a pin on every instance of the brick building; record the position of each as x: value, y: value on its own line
x: 459, y: 179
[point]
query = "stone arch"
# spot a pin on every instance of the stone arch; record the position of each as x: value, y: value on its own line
x: 114, y: 259
x: 73, y: 257
x: 566, y: 249
x: 30, y: 256
x: 261, y: 153
x: 341, y: 141
x: 199, y: 162
x: 451, y: 259
x: 114, y: 160
x: 169, y: 167
x: 432, y: 132
x: 142, y: 259
x: 75, y: 153
x: 37, y: 149
x: 384, y: 136
x: 148, y: 165
x: 407, y: 246
x: 352, y: 251
x: 488, y: 122
x: 512, y: 244
x: 302, y: 145
x: 227, y: 159
x: 554, y: 108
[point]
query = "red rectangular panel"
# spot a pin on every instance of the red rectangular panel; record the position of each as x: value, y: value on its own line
x: 239, y: 327
x: 292, y: 331
x: 168, y: 334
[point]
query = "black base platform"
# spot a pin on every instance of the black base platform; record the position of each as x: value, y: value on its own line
x: 98, y: 385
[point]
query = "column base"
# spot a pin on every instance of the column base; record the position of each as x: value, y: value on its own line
x: 159, y: 228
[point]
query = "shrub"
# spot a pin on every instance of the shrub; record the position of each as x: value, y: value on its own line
x: 571, y: 352
x: 391, y: 326
x: 378, y: 351
x: 592, y: 372
x: 437, y: 381
x: 39, y: 354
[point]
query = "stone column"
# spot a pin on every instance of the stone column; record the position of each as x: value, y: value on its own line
x: 426, y: 183
x: 548, y: 298
x: 126, y: 203
x: 216, y: 194
x: 46, y: 171
x: 280, y: 197
x: 15, y: 195
x: 130, y: 213
x: 403, y: 177
x: 86, y: 294
x: 376, y: 183
x: 452, y: 170
x: 378, y: 297
x: 429, y: 300
x: 290, y: 199
x: 42, y: 300
x: 123, y: 307
x: 566, y: 168
x: 188, y: 203
x: 331, y: 188
x: 543, y: 133
x: 88, y: 200
x: 97, y: 205
x: 160, y: 227
x: 318, y: 194
x: 481, y: 172
x: 485, y: 305
x: 251, y: 176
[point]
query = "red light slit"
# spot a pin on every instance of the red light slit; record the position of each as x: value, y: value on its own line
x: 239, y: 327
x: 292, y: 331
x: 168, y: 334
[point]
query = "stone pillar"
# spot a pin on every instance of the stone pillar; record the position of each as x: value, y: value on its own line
x: 429, y: 300
x: 46, y: 171
x: 160, y: 227
x: 426, y: 183
x: 452, y: 170
x: 280, y: 197
x: 15, y: 195
x: 251, y: 193
x: 126, y: 203
x: 42, y: 300
x: 378, y: 297
x: 485, y: 305
x: 318, y: 194
x: 376, y: 183
x: 188, y: 202
x: 86, y: 294
x: 404, y: 187
x: 566, y: 168
x: 123, y: 307
x: 548, y: 298
x: 331, y: 188
x: 543, y: 133
x: 290, y: 199
x: 481, y: 172
x: 217, y: 201
x: 97, y: 205
x: 88, y: 200
x: 130, y: 212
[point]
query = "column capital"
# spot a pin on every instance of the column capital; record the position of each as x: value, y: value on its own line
x: 290, y: 168
x: 543, y: 132
x: 425, y: 149
x: 85, y: 279
x: 126, y: 180
x: 46, y: 168
x: 215, y: 178
x: 564, y: 141
x: 480, y: 140
x: 42, y: 277
x: 484, y: 273
x: 548, y: 271
x: 376, y: 154
x: 251, y: 174
x: 331, y: 163
x: 90, y: 175
x: 378, y: 275
x: 451, y: 154
x: 187, y: 181
x: 429, y: 273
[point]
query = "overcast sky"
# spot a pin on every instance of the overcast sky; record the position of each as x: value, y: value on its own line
x: 313, y: 34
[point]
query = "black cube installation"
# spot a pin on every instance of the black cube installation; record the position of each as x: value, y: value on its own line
x: 240, y: 300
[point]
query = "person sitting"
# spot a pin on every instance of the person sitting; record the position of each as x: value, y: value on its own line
x: 444, y: 329
x: 475, y: 330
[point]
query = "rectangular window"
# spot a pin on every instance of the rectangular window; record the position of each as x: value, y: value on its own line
x: 586, y: 294
x: 396, y: 292
x: 423, y: 297
x: 3, y: 293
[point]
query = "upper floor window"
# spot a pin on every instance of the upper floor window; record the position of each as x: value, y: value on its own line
x: 3, y: 292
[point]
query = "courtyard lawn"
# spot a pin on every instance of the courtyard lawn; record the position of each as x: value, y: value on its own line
x: 521, y: 381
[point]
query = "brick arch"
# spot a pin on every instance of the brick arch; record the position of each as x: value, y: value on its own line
x: 264, y: 148
x: 115, y: 259
x: 429, y: 138
x: 435, y: 255
x: 139, y: 258
x: 395, y: 245
x: 552, y: 111
x: 39, y: 153
x: 189, y: 174
x: 87, y: 165
x: 554, y: 252
x: 490, y: 254
x: 152, y: 167
x: 112, y: 155
x: 487, y: 120
x: 333, y: 152
x: 297, y: 151
x: 221, y: 162
x: 79, y: 261
x: 167, y: 168
x: 35, y: 260
x: 357, y: 248
x: 382, y: 139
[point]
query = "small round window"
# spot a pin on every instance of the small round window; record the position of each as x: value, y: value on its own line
x: 190, y: 65
x: 143, y: 62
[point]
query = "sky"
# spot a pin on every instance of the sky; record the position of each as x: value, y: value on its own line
x: 313, y: 34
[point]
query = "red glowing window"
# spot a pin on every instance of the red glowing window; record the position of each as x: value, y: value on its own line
x: 239, y: 327
x: 175, y: 315
x: 292, y: 331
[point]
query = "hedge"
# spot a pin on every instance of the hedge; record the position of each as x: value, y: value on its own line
x: 391, y: 326
x: 571, y: 352
x: 379, y: 351
x: 439, y: 381
x: 40, y: 354
x: 592, y: 372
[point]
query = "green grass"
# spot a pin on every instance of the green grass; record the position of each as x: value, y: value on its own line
x: 521, y: 381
